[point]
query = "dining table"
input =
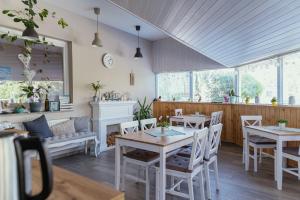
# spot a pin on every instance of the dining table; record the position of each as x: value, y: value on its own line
x: 281, y: 136
x: 162, y: 144
x: 180, y: 118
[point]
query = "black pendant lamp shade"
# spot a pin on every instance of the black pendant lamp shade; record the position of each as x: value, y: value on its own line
x: 97, y: 41
x: 138, y: 53
x: 30, y: 33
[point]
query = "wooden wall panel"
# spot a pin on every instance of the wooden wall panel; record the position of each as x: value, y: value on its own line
x: 232, y: 131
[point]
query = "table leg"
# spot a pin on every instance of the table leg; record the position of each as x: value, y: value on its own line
x: 279, y: 164
x: 162, y: 172
x: 246, y: 147
x: 117, y: 164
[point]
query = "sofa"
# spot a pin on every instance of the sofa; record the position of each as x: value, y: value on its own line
x: 69, y: 138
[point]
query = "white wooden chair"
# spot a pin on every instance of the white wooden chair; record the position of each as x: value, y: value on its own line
x: 211, y: 156
x: 194, y: 122
x: 257, y: 142
x: 147, y: 124
x: 186, y: 169
x: 141, y: 158
x: 178, y: 112
x: 216, y: 118
x: 292, y: 153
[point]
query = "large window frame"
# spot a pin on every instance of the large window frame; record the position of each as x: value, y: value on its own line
x: 280, y: 81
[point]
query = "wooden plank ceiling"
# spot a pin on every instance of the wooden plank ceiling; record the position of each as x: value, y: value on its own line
x: 231, y: 32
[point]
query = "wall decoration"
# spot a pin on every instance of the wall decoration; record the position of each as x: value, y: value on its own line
x: 131, y: 78
x: 54, y: 106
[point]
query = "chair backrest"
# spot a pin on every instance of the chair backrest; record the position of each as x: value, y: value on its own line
x: 148, y: 124
x: 299, y: 150
x: 198, y: 148
x: 178, y: 112
x: 129, y: 127
x: 214, y: 138
x: 194, y: 122
x: 216, y: 118
x: 250, y: 120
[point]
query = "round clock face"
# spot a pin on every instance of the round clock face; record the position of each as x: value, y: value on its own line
x: 107, y: 60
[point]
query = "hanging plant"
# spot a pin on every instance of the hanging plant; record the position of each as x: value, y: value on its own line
x: 28, y: 17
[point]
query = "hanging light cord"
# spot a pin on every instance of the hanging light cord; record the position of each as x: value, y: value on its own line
x: 97, y: 23
x: 138, y: 38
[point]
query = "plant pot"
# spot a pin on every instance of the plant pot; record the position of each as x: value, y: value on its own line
x: 274, y: 103
x: 95, y: 98
x: 257, y: 100
x: 281, y: 125
x: 292, y: 100
x: 163, y: 130
x: 35, y: 106
x: 232, y: 99
x: 19, y: 110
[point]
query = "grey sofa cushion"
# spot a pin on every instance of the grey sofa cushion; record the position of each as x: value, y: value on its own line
x: 81, y: 124
x: 38, y: 127
x: 69, y: 137
x: 63, y: 128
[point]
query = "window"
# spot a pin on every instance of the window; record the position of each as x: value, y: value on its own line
x: 212, y: 85
x: 291, y: 77
x: 259, y: 79
x: 174, y: 85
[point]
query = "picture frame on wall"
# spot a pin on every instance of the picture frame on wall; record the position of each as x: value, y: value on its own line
x: 54, y: 106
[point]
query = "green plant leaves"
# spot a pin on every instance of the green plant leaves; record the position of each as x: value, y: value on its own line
x: 61, y: 22
x: 5, y: 12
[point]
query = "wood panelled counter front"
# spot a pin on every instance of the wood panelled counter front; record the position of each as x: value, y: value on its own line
x: 232, y: 131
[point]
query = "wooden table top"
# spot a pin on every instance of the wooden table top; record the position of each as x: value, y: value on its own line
x: 71, y: 186
x: 277, y: 131
x: 17, y: 131
x: 160, y: 141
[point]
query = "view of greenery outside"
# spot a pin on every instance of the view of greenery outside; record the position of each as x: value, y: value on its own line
x: 213, y: 85
x: 12, y: 90
x: 174, y: 85
x: 259, y: 79
x: 291, y: 77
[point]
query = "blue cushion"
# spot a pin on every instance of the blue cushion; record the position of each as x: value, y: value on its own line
x: 39, y: 127
x: 81, y: 123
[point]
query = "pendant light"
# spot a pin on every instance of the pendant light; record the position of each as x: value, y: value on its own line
x: 138, y: 53
x: 97, y: 41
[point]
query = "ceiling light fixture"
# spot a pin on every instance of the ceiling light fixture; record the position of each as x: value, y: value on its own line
x: 97, y: 41
x: 138, y: 53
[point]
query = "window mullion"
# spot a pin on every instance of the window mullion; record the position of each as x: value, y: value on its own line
x: 191, y: 86
x: 280, y: 80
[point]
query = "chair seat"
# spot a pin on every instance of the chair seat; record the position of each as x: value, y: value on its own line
x: 291, y: 150
x: 142, y: 155
x: 186, y: 152
x: 177, y: 163
x: 260, y: 140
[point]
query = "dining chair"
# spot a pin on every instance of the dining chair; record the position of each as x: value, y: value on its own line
x: 147, y: 124
x: 256, y: 142
x: 216, y: 118
x: 292, y: 153
x: 210, y: 157
x: 178, y: 112
x: 193, y: 122
x: 186, y: 169
x: 142, y: 158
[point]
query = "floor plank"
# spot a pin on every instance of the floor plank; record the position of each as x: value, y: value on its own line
x: 236, y: 184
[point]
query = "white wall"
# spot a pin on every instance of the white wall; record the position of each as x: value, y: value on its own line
x: 87, y: 64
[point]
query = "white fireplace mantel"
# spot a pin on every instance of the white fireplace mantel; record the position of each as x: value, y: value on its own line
x: 105, y: 113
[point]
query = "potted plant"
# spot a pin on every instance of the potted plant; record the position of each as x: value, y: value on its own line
x: 96, y: 86
x: 143, y: 111
x: 164, y: 123
x: 34, y: 96
x: 232, y: 96
x: 274, y: 101
x: 247, y: 100
x: 282, y: 123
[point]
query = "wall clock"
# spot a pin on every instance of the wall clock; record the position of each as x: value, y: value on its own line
x: 107, y: 60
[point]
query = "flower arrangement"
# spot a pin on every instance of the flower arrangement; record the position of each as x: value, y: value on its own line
x: 96, y: 86
x: 163, y: 121
x: 282, y: 123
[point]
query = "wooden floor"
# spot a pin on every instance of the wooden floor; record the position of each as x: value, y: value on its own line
x: 236, y: 184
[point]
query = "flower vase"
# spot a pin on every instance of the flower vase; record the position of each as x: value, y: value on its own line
x: 163, y: 130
